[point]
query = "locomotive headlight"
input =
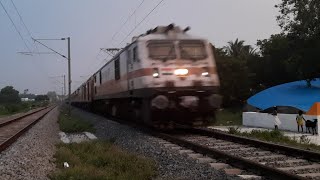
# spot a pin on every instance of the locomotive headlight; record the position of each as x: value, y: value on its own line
x: 181, y: 72
x: 205, y: 72
x: 155, y: 73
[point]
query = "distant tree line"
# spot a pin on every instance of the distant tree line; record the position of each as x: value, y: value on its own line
x: 289, y: 56
x: 8, y: 95
x: 10, y: 101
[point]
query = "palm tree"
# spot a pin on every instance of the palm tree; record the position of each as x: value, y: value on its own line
x: 237, y: 49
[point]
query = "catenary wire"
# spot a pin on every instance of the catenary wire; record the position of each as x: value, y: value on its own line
x: 15, y: 26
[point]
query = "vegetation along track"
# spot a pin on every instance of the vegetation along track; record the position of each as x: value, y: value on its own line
x: 266, y: 159
x: 11, y: 128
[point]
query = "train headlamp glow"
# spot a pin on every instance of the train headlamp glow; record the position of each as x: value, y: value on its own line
x: 181, y: 72
x: 155, y: 73
x: 205, y: 74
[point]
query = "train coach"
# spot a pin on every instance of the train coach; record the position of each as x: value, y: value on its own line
x: 164, y: 77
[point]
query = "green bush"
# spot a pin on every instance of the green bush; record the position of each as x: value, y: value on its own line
x: 73, y: 124
x: 13, y: 108
x: 228, y: 117
x: 233, y: 130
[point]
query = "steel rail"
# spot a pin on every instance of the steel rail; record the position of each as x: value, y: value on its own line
x: 290, y: 151
x: 231, y: 159
x: 4, y: 145
x: 20, y: 117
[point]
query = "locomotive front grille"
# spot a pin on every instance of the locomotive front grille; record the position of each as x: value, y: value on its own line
x: 197, y: 83
x: 169, y: 84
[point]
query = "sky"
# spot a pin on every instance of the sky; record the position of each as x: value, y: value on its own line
x: 95, y: 24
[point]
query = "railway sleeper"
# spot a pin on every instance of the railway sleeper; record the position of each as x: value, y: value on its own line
x: 254, y: 153
x: 287, y: 163
x: 311, y: 175
x: 296, y: 169
x: 267, y: 158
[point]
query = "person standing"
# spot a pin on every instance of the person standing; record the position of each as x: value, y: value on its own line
x: 276, y: 121
x: 300, y: 119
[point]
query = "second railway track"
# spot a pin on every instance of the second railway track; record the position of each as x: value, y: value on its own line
x: 265, y: 159
x: 13, y: 127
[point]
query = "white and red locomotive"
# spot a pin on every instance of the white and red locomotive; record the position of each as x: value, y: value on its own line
x: 163, y: 77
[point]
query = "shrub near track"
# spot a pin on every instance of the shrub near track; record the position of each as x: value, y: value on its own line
x: 228, y: 117
x: 13, y: 108
x: 73, y: 123
x: 100, y: 160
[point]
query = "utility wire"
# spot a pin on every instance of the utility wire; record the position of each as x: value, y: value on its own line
x: 129, y: 17
x: 50, y: 49
x: 103, y: 61
x: 118, y: 31
x: 140, y: 22
x: 21, y: 18
x: 25, y: 26
x: 15, y: 26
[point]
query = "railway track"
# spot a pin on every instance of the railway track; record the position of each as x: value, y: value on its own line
x: 256, y: 159
x: 13, y: 127
x: 264, y: 159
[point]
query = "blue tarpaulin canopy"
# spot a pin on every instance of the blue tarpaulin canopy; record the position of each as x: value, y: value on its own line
x: 294, y: 94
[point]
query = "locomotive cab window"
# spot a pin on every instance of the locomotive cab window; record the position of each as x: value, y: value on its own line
x: 161, y: 50
x: 117, y: 69
x: 192, y: 50
x: 135, y: 55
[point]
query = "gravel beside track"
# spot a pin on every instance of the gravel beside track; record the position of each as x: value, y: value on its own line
x: 31, y: 156
x: 171, y: 165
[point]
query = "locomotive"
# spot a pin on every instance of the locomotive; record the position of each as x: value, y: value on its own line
x: 162, y: 78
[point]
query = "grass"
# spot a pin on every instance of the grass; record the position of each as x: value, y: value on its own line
x: 228, y: 117
x: 73, y: 123
x: 9, y: 109
x: 100, y: 160
x: 278, y: 137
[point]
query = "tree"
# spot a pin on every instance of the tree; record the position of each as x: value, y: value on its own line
x: 300, y: 18
x: 9, y: 95
x: 42, y: 98
x: 52, y: 96
x: 277, y: 66
x: 300, y: 21
x: 238, y: 50
x: 234, y: 82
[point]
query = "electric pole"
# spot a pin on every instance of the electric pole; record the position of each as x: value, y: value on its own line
x: 69, y: 65
x: 69, y: 74
x: 64, y: 85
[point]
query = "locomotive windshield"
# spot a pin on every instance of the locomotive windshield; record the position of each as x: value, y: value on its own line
x: 162, y: 50
x: 188, y: 50
x: 191, y: 49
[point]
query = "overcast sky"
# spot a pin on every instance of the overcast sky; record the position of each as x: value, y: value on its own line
x: 91, y: 24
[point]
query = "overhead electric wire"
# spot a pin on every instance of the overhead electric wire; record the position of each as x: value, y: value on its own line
x: 50, y: 49
x: 21, y: 18
x: 15, y: 26
x: 140, y: 22
x: 117, y: 32
x: 103, y: 61
x: 25, y: 26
